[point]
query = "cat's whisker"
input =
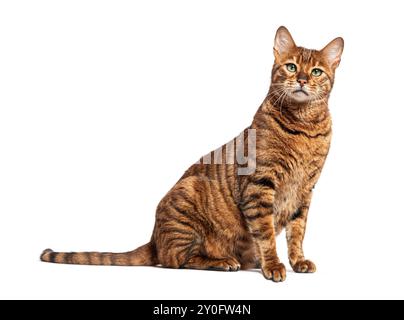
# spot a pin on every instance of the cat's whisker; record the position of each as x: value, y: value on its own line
x: 275, y: 92
x: 283, y: 93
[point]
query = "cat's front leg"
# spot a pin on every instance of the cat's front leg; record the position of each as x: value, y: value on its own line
x: 295, y: 231
x: 257, y: 208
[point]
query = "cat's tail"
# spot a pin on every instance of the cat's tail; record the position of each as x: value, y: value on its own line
x: 142, y: 256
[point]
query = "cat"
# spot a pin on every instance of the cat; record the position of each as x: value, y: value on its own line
x: 224, y: 214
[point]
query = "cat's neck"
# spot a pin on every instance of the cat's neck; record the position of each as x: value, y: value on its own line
x: 311, y: 117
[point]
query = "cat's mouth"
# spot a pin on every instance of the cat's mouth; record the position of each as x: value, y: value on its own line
x: 300, y: 91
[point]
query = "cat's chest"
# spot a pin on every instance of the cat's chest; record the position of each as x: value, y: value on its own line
x: 289, y: 193
x: 296, y: 182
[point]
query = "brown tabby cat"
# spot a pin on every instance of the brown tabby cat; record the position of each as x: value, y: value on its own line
x: 220, y: 217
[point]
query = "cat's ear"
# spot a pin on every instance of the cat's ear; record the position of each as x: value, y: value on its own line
x: 283, y: 42
x: 332, y: 52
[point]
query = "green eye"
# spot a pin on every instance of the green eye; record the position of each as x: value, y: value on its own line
x: 317, y: 72
x: 291, y: 67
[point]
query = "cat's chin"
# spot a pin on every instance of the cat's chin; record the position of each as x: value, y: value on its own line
x: 299, y: 96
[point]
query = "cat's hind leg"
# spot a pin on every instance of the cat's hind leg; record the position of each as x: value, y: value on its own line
x: 188, y: 231
x: 182, y: 253
x: 206, y: 263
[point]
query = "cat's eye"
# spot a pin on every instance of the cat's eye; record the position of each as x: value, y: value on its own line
x: 291, y: 67
x: 317, y: 72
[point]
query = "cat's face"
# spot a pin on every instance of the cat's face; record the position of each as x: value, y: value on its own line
x: 301, y: 75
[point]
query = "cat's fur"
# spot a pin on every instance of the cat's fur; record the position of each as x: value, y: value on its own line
x: 215, y: 218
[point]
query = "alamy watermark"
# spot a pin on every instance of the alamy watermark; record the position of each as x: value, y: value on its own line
x: 235, y: 152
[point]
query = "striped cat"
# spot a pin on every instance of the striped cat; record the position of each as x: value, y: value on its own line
x: 226, y: 210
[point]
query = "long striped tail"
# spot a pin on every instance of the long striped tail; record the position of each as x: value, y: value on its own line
x: 142, y: 256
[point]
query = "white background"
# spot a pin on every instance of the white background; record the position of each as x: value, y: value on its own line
x: 104, y: 104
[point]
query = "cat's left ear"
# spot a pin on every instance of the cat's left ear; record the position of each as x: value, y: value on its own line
x: 332, y: 52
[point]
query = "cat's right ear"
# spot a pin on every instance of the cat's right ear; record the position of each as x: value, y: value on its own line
x: 283, y: 43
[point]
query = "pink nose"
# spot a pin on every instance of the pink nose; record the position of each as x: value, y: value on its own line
x: 302, y: 82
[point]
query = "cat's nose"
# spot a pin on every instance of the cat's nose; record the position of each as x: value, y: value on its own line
x: 302, y: 78
x: 302, y: 82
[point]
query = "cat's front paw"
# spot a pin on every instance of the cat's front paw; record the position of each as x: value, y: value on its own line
x: 304, y: 266
x: 275, y: 272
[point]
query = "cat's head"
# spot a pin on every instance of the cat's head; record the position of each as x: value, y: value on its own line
x: 301, y: 75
